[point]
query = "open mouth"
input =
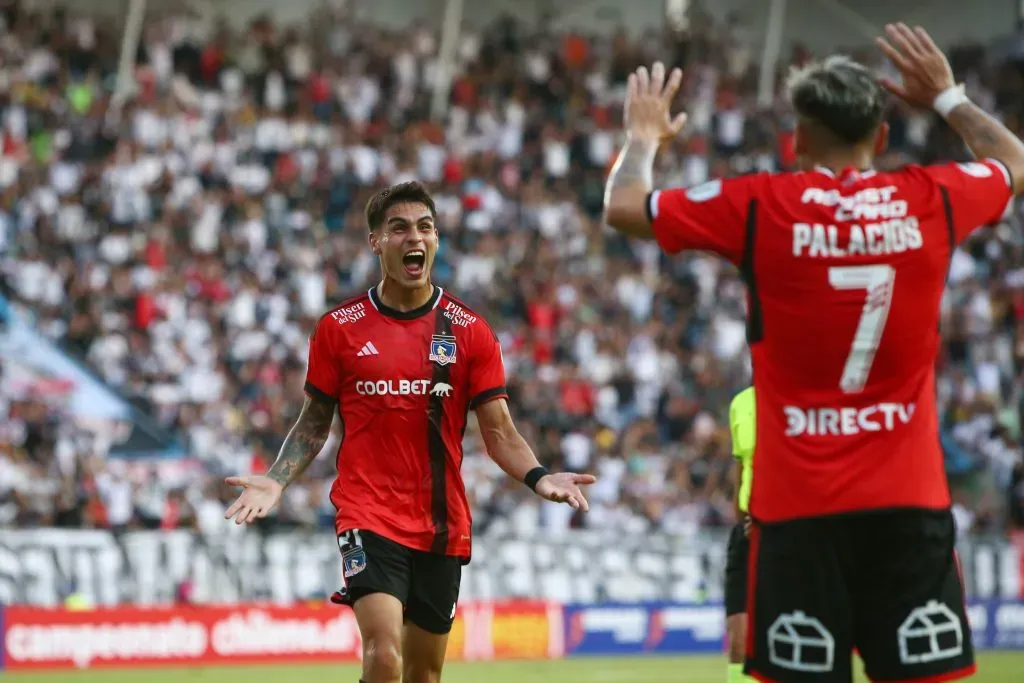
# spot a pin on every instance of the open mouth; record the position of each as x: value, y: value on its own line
x: 414, y: 262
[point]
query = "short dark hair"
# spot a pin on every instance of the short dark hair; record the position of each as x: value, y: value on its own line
x: 840, y: 95
x: 379, y: 203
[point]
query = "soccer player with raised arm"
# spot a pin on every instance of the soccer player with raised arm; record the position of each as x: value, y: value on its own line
x: 742, y: 426
x: 402, y: 365
x: 853, y: 542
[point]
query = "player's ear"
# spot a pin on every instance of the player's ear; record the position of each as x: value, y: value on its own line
x: 882, y: 139
x: 375, y: 242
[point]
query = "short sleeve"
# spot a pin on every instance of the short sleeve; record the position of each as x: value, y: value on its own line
x: 979, y: 192
x: 322, y: 372
x: 487, y: 369
x: 742, y: 424
x: 709, y: 217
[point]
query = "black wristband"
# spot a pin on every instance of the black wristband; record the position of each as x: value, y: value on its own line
x: 533, y: 476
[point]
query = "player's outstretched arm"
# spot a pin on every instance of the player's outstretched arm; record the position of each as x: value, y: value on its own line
x: 648, y: 123
x: 507, y: 447
x: 928, y: 83
x: 306, y: 439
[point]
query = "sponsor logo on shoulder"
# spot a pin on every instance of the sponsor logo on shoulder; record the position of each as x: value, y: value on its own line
x: 704, y: 192
x: 976, y: 169
x: 349, y: 314
x: 458, y: 315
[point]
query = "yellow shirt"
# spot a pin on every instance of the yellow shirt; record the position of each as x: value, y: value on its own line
x: 743, y: 425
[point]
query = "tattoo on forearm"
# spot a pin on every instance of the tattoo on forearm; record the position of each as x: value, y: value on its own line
x: 304, y: 441
x: 983, y: 134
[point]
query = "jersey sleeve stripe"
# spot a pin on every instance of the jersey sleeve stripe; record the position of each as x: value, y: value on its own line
x: 318, y: 394
x: 651, y: 205
x: 755, y: 322
x: 487, y: 395
x: 1005, y: 169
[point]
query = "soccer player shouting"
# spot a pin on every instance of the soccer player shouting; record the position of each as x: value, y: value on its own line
x: 853, y: 540
x: 403, y: 364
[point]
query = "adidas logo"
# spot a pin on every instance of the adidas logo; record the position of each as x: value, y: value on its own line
x: 368, y: 350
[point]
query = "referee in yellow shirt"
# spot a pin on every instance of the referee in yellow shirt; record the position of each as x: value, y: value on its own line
x: 742, y: 425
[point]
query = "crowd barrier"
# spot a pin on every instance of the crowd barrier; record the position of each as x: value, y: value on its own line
x: 37, y: 638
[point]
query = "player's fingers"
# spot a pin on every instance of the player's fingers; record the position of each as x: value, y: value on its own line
x: 643, y: 81
x: 251, y: 515
x: 583, y: 479
x: 914, y: 46
x: 899, y: 41
x: 233, y: 510
x: 894, y: 55
x: 237, y: 481
x: 678, y: 123
x: 657, y: 78
x: 675, y: 79
x: 582, y: 501
x: 242, y: 514
x: 926, y: 40
x: 631, y: 95
x: 573, y: 503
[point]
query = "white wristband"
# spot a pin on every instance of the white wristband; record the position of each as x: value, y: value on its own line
x: 949, y: 99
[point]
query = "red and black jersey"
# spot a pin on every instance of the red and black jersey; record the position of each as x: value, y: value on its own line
x: 404, y: 383
x: 845, y: 274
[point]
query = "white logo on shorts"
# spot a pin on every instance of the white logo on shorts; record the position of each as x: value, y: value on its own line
x: 801, y: 643
x: 930, y: 633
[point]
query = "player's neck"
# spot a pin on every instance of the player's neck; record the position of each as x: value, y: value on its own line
x: 839, y: 162
x: 404, y: 299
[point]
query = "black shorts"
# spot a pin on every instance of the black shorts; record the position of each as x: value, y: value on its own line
x: 886, y: 583
x: 427, y: 584
x: 736, y: 556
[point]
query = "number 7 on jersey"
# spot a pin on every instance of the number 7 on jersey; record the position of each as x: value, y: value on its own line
x: 878, y: 280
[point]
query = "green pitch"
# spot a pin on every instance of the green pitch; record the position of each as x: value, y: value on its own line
x: 993, y: 668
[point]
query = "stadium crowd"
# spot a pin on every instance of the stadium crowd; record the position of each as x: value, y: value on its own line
x: 185, y: 241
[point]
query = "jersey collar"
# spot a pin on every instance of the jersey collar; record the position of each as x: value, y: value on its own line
x: 384, y: 309
x: 849, y: 173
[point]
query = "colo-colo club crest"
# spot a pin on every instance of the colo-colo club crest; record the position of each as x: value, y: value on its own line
x: 442, y: 349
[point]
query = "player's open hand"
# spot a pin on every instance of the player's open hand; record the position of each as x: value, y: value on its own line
x: 564, y: 487
x: 648, y: 113
x: 925, y: 70
x: 259, y: 496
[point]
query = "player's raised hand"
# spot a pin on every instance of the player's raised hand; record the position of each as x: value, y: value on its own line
x: 925, y: 70
x: 648, y: 113
x: 259, y: 496
x: 564, y: 487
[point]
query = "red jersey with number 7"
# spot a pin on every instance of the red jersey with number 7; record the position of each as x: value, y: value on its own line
x: 404, y: 382
x: 845, y: 274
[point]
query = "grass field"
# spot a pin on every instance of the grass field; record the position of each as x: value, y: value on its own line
x: 993, y: 668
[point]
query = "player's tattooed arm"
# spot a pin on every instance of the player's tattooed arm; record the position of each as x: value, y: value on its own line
x: 305, y: 440
x: 503, y: 442
x: 629, y: 184
x: 989, y: 139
